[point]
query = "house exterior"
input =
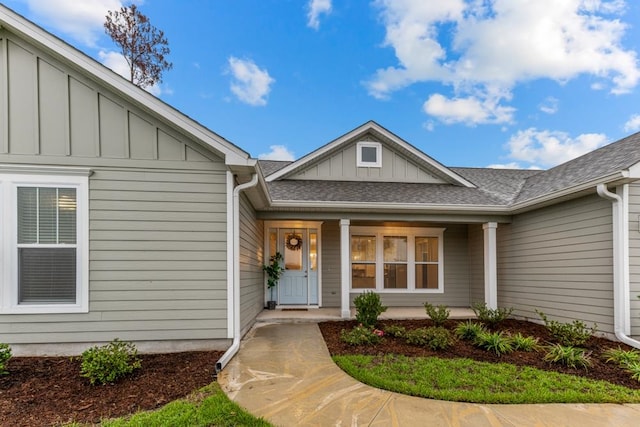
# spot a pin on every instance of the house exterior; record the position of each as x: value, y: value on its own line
x: 122, y: 217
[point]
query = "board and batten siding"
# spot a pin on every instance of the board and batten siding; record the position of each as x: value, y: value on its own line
x: 634, y: 257
x: 342, y: 165
x: 559, y: 260
x: 157, y: 207
x: 252, y: 282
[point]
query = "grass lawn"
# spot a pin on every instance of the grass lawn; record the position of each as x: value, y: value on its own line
x: 466, y: 380
x: 208, y: 406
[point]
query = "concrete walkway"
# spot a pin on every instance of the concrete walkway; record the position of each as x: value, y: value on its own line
x: 283, y: 372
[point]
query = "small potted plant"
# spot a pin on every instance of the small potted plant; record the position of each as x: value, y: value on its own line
x: 274, y: 270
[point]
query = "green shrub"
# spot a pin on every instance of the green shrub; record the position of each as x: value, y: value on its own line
x: 396, y: 331
x: 469, y: 330
x: 368, y: 308
x: 634, y: 369
x: 438, y: 314
x: 433, y: 337
x: 621, y: 357
x: 5, y: 355
x: 490, y: 316
x: 110, y: 362
x: 570, y: 356
x: 568, y: 334
x: 497, y: 342
x: 522, y: 343
x: 361, y: 335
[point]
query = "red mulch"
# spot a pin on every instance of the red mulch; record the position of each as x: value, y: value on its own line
x: 462, y: 349
x: 41, y: 391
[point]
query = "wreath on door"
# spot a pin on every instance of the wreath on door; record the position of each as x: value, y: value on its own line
x: 293, y: 242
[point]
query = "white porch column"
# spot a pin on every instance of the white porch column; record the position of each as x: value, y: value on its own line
x: 490, y: 265
x: 345, y: 269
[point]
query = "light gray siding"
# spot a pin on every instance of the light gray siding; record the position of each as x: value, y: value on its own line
x: 330, y: 264
x: 634, y: 256
x: 476, y: 263
x: 251, y: 261
x: 157, y: 207
x: 559, y: 260
x: 342, y: 165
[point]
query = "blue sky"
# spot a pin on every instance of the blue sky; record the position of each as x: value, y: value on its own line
x: 517, y: 83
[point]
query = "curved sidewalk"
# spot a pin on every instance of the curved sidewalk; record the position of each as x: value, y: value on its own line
x: 283, y: 372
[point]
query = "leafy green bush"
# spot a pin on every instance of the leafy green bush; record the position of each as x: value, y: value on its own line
x: 490, y: 316
x: 438, y: 314
x: 5, y: 355
x: 497, y: 342
x: 361, y: 335
x: 621, y: 357
x: 108, y: 363
x: 522, y: 343
x: 433, y: 337
x: 469, y: 330
x: 634, y: 369
x: 568, y: 334
x: 368, y: 308
x: 570, y: 356
x: 396, y: 331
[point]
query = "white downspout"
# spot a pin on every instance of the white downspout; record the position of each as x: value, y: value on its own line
x: 235, y: 295
x: 621, y: 310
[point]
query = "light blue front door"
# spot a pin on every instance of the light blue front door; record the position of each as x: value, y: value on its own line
x: 299, y: 282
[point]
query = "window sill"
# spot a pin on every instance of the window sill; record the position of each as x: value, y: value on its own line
x: 398, y: 291
x: 45, y: 309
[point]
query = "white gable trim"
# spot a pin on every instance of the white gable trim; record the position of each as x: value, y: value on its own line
x: 17, y: 24
x: 360, y: 130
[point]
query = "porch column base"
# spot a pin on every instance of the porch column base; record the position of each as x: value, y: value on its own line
x: 345, y: 269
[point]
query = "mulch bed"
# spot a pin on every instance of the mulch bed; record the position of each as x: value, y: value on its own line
x: 43, y: 391
x: 390, y: 345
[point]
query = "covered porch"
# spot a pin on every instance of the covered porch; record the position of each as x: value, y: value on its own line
x: 329, y: 314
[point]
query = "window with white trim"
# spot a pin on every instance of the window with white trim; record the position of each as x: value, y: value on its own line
x: 369, y: 154
x: 44, y: 257
x: 397, y: 259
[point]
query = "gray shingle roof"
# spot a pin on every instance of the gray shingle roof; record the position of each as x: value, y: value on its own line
x: 599, y: 163
x: 495, y: 187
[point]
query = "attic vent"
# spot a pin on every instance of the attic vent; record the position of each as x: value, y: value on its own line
x: 369, y: 154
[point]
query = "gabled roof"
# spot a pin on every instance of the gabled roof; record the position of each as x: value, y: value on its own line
x: 373, y: 128
x: 17, y: 24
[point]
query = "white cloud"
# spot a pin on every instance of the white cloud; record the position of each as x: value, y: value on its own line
x: 492, y: 46
x: 633, y: 124
x: 82, y: 20
x: 550, y: 148
x: 278, y: 152
x: 471, y: 110
x: 317, y: 8
x: 512, y: 165
x: 117, y: 63
x: 250, y: 83
x: 550, y: 105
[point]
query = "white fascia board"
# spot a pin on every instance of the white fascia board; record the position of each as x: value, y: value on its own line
x: 634, y: 171
x: 20, y: 25
x: 361, y: 129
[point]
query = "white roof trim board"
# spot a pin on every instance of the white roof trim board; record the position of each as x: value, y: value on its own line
x: 17, y: 24
x: 370, y: 126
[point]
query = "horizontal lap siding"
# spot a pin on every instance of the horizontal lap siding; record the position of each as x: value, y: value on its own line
x: 634, y: 257
x: 251, y: 260
x: 330, y: 264
x: 559, y: 260
x: 476, y: 263
x: 151, y: 277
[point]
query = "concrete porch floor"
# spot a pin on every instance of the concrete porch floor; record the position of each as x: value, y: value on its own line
x: 324, y: 314
x: 283, y: 372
